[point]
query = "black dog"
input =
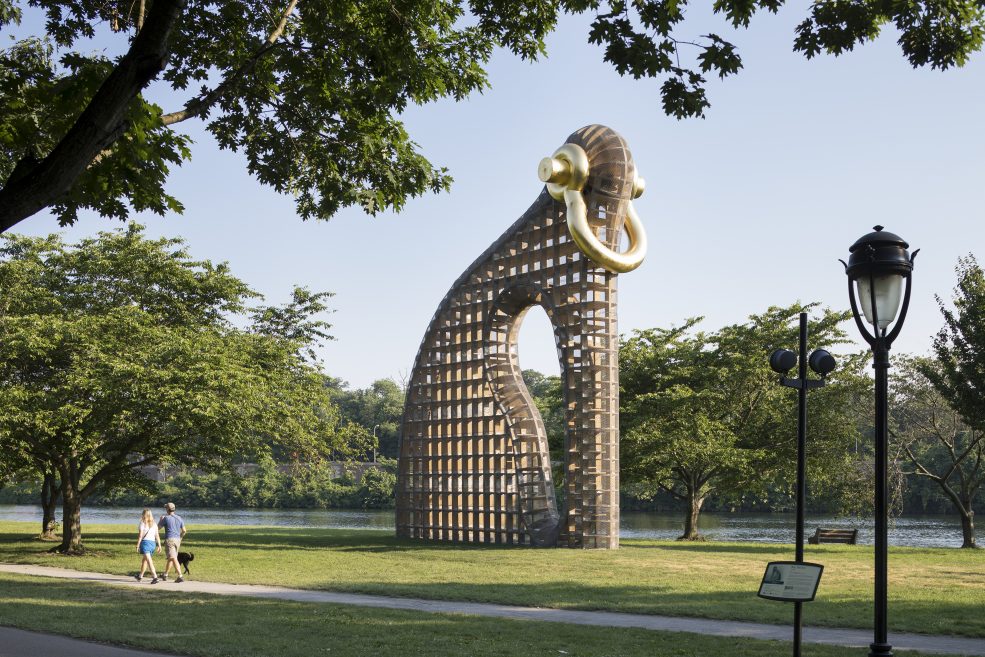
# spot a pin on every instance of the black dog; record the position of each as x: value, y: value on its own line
x: 184, y: 558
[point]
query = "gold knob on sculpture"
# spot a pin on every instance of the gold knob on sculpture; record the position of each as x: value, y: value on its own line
x: 554, y: 170
x: 567, y: 169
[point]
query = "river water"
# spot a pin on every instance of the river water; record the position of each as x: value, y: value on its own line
x: 913, y: 531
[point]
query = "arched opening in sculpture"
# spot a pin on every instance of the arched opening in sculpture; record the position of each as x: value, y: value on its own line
x: 540, y: 363
x: 537, y: 504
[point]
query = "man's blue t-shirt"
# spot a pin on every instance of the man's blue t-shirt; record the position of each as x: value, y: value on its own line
x: 172, y: 524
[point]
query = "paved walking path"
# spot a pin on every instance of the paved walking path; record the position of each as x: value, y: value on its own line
x: 831, y: 636
x: 21, y: 643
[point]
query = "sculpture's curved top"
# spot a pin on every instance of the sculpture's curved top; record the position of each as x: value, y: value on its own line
x: 613, y: 172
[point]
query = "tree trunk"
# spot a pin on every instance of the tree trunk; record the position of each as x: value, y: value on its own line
x: 694, y: 503
x: 968, y: 529
x: 71, y: 518
x: 50, y: 492
x: 962, y: 500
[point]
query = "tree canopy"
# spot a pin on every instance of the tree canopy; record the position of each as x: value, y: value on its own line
x: 702, y: 413
x: 959, y: 346
x: 121, y: 351
x: 311, y: 92
x: 377, y: 410
x: 957, y: 374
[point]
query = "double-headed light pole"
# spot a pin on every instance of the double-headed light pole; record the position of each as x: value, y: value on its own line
x: 823, y: 363
x: 878, y: 267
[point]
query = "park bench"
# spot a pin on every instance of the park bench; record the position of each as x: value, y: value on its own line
x: 849, y: 536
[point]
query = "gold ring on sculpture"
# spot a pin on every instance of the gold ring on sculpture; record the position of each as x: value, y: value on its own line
x: 565, y: 174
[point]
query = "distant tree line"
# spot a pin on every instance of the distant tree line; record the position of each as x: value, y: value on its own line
x: 376, y: 410
x: 303, y: 486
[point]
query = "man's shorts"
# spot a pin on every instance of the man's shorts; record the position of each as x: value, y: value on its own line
x: 171, y: 546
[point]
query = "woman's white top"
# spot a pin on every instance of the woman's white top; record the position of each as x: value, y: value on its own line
x: 149, y: 533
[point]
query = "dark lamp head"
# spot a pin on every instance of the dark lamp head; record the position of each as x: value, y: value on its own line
x: 821, y: 362
x: 782, y: 361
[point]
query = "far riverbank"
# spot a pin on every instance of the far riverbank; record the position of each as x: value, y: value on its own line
x: 909, y: 531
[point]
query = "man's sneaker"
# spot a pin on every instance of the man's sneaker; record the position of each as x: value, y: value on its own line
x: 164, y: 577
x: 137, y: 577
x: 154, y: 581
x: 179, y: 580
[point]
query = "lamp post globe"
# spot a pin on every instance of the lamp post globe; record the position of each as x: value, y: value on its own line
x: 879, y: 278
x: 879, y: 266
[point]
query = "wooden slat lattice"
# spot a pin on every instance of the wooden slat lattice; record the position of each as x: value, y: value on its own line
x: 474, y: 462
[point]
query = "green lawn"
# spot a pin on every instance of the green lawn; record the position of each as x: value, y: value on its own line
x: 936, y: 591
x: 198, y: 624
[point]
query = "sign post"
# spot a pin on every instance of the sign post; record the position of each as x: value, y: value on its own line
x: 823, y: 363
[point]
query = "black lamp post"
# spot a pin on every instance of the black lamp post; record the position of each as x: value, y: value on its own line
x: 823, y: 363
x: 878, y: 266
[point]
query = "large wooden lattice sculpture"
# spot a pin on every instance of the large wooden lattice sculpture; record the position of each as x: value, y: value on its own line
x: 474, y: 461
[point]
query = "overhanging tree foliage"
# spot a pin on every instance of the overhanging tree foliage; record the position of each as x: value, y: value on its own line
x: 120, y: 352
x: 311, y: 90
x: 702, y: 414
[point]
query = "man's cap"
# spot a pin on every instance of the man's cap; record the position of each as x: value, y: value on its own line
x: 169, y: 506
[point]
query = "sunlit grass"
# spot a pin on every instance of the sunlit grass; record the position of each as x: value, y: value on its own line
x: 932, y: 590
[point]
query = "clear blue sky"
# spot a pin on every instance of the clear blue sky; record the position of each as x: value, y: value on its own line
x: 748, y: 208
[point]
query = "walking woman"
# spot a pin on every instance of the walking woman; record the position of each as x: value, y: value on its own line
x: 149, y: 539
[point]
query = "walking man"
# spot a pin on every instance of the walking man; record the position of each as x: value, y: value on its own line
x: 174, y: 531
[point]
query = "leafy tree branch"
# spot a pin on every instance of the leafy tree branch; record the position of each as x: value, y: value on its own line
x: 201, y: 104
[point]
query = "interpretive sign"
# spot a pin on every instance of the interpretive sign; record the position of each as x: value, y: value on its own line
x: 789, y: 581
